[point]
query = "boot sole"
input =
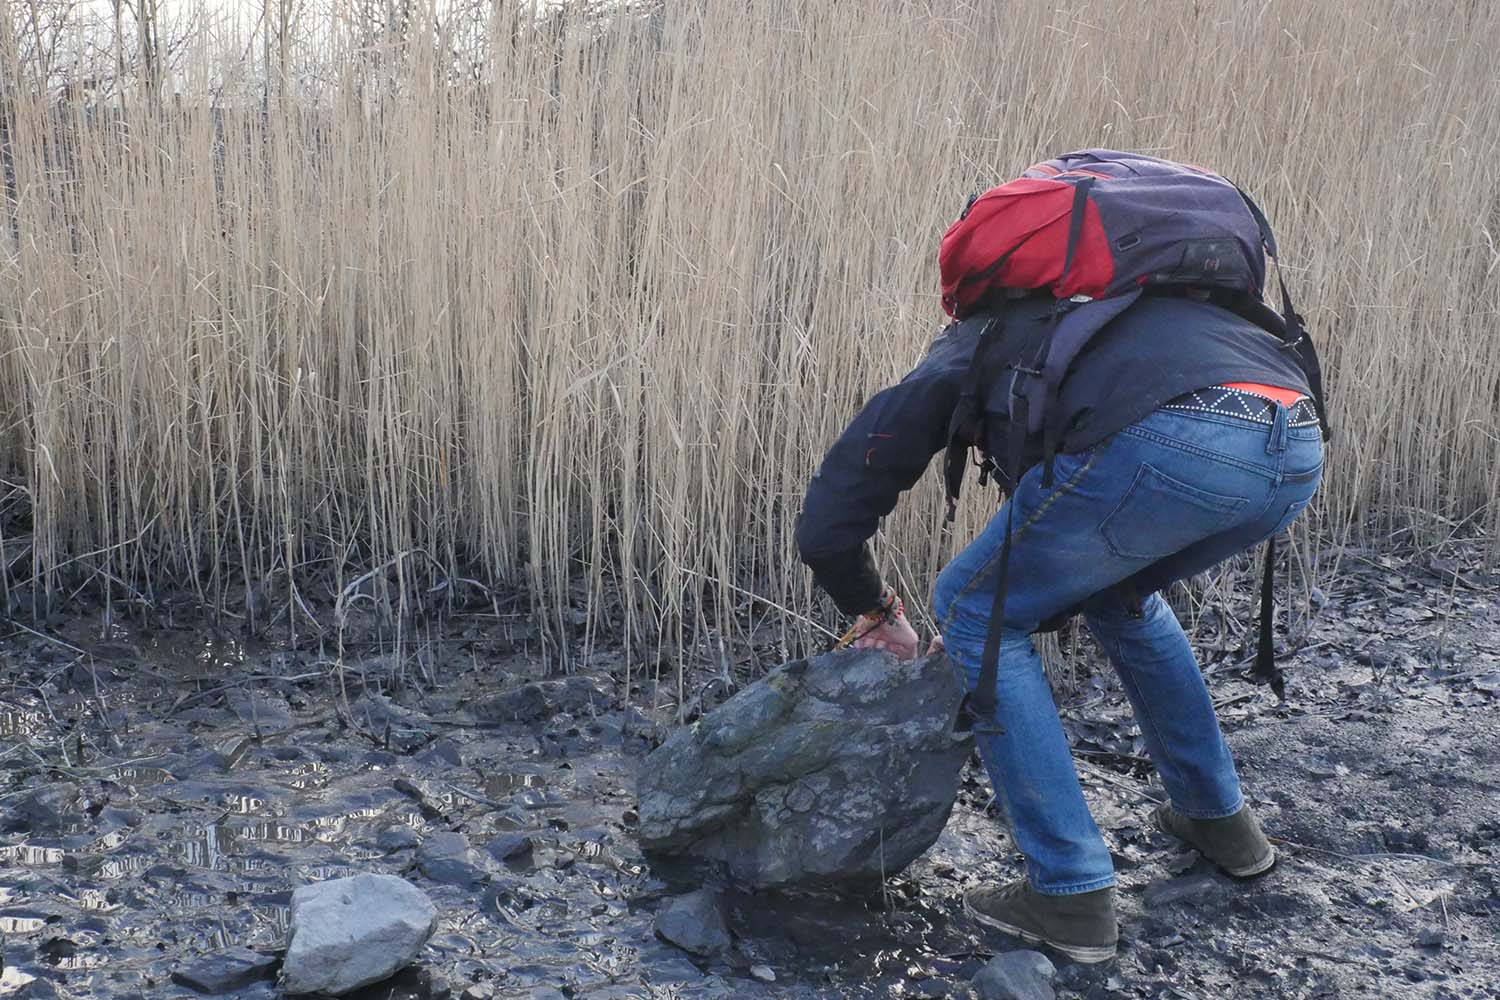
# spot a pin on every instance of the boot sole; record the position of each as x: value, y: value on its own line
x: 1083, y: 954
x: 1252, y: 870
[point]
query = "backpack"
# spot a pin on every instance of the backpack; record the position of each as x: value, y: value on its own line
x: 1097, y: 229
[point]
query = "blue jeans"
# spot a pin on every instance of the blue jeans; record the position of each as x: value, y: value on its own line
x: 1170, y: 496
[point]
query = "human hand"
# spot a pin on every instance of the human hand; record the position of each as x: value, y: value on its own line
x: 936, y: 645
x: 886, y: 628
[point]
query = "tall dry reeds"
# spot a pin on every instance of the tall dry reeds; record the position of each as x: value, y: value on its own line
x: 584, y: 311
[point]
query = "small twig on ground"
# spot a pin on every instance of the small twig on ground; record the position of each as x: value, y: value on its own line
x: 1115, y: 779
x: 1372, y: 857
x: 52, y: 639
x: 474, y: 796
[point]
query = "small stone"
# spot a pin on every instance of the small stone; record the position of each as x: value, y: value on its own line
x: 226, y: 970
x: 695, y: 923
x: 1182, y: 862
x: 350, y: 932
x: 401, y: 728
x: 448, y: 858
x: 227, y: 754
x: 1188, y: 889
x: 399, y: 837
x: 1432, y: 937
x: 478, y: 991
x: 261, y: 712
x: 508, y: 845
x: 540, y: 700
x: 442, y: 753
x: 764, y: 973
x: 50, y: 807
x: 1017, y: 975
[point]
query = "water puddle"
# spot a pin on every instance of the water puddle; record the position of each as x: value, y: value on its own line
x: 503, y: 783
x: 21, y: 925
x: 243, y: 804
x: 205, y: 848
x: 17, y: 723
x: 97, y: 900
x: 118, y: 868
x: 329, y: 829
x: 190, y: 654
x: 27, y: 854
x: 12, y: 979
x: 111, y: 841
x: 266, y: 831
x: 139, y: 777
x: 307, y: 777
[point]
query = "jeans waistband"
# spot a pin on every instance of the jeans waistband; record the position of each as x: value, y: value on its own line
x: 1243, y: 405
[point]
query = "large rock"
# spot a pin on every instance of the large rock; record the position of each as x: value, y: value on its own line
x: 350, y: 932
x: 830, y: 770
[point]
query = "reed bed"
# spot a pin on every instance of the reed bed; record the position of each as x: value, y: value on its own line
x: 579, y: 312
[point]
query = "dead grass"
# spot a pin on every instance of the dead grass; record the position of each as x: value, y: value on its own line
x: 589, y: 319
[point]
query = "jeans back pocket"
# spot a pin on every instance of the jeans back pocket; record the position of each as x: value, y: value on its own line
x: 1160, y: 515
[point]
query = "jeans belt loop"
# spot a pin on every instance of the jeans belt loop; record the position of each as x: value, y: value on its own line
x: 1277, y: 443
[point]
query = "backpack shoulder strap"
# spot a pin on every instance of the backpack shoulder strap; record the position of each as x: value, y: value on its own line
x: 968, y: 415
x: 1293, y: 332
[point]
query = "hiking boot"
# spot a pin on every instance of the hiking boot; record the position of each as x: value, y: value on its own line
x: 1082, y: 926
x: 1234, y: 843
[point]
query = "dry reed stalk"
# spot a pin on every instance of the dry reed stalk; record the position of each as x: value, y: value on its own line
x: 588, y: 314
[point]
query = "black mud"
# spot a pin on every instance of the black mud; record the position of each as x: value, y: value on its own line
x: 213, y: 776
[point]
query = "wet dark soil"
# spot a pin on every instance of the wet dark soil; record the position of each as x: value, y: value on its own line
x: 165, y: 787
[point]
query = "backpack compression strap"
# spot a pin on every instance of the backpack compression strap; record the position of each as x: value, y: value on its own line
x: 1295, y: 340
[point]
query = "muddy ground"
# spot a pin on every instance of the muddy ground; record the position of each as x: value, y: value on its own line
x: 214, y: 774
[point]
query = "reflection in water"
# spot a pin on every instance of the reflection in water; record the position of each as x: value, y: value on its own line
x: 21, y: 925
x: 267, y: 831
x: 17, y: 723
x: 202, y: 850
x: 96, y: 899
x: 110, y: 841
x: 503, y: 783
x: 244, y: 805
x: 309, y: 775
x: 139, y: 777
x: 117, y: 868
x: 14, y: 979
x: 196, y: 655
x: 26, y: 854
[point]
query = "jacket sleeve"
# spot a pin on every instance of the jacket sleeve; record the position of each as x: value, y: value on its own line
x: 877, y: 458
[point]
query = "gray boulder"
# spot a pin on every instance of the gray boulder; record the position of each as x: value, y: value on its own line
x: 695, y: 923
x: 350, y: 932
x: 1017, y: 975
x: 835, y: 769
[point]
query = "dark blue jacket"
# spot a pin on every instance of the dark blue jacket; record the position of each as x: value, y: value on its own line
x: 1160, y: 348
